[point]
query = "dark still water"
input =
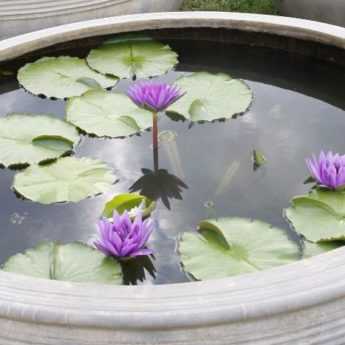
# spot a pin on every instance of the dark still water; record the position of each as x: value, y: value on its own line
x: 298, y: 110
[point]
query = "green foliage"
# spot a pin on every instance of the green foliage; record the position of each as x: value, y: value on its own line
x: 106, y: 114
x: 69, y: 179
x: 33, y: 138
x: 74, y: 262
x: 251, y: 6
x: 230, y: 246
x: 318, y: 216
x: 210, y: 97
x: 127, y: 202
x: 127, y: 58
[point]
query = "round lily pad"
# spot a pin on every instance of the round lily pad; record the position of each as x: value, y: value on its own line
x: 231, y: 246
x: 69, y: 179
x: 107, y: 114
x: 74, y: 262
x: 316, y: 220
x: 210, y: 97
x: 128, y: 202
x: 132, y: 58
x: 60, y: 77
x: 30, y: 138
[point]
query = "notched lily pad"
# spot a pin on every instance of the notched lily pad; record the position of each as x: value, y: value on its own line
x: 211, y: 97
x: 32, y: 138
x: 61, y: 77
x: 128, y: 58
x: 317, y: 220
x: 69, y: 179
x: 312, y: 249
x: 231, y: 246
x: 128, y: 202
x: 74, y: 262
x: 107, y: 114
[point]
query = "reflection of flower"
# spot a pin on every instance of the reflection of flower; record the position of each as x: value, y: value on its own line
x: 154, y: 96
x: 159, y: 184
x: 328, y: 170
x: 123, y: 237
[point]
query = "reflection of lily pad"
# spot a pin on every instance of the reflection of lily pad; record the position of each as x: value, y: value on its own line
x: 29, y: 138
x: 60, y: 77
x: 211, y: 96
x: 73, y: 262
x: 107, y: 114
x: 315, y: 220
x: 312, y: 249
x: 231, y: 246
x: 128, y: 58
x: 69, y: 179
x: 128, y: 202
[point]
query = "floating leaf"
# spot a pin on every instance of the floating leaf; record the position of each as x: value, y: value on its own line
x: 231, y: 246
x: 127, y: 202
x: 60, y: 77
x: 130, y: 58
x: 211, y: 96
x: 75, y: 262
x: 315, y: 220
x: 313, y: 249
x: 30, y: 138
x: 68, y: 179
x: 333, y: 199
x: 258, y: 159
x: 107, y: 114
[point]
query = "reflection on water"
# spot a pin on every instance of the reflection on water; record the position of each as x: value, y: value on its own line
x: 159, y: 185
x: 213, y: 159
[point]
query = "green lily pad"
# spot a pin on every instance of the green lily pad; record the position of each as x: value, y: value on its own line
x: 258, y: 159
x: 60, y: 77
x: 231, y: 246
x: 30, y: 138
x: 210, y: 97
x: 107, y: 114
x: 315, y: 220
x: 127, y: 202
x: 313, y: 249
x: 141, y: 58
x: 69, y: 179
x: 74, y: 262
x: 333, y: 199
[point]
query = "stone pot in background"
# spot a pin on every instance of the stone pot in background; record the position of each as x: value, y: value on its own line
x: 329, y: 11
x: 22, y: 16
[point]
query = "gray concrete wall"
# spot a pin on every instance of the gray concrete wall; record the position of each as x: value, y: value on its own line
x: 328, y: 11
x: 18, y: 16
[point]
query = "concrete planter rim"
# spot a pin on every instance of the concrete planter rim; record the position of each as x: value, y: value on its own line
x: 297, y: 286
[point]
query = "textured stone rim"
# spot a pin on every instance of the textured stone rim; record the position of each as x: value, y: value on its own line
x: 16, y: 9
x: 303, y: 284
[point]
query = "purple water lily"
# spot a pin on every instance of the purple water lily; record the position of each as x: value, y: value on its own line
x: 154, y: 96
x: 123, y: 237
x: 328, y: 170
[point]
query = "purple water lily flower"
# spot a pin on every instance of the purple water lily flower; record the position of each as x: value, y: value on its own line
x: 328, y: 170
x: 123, y: 237
x: 154, y: 96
